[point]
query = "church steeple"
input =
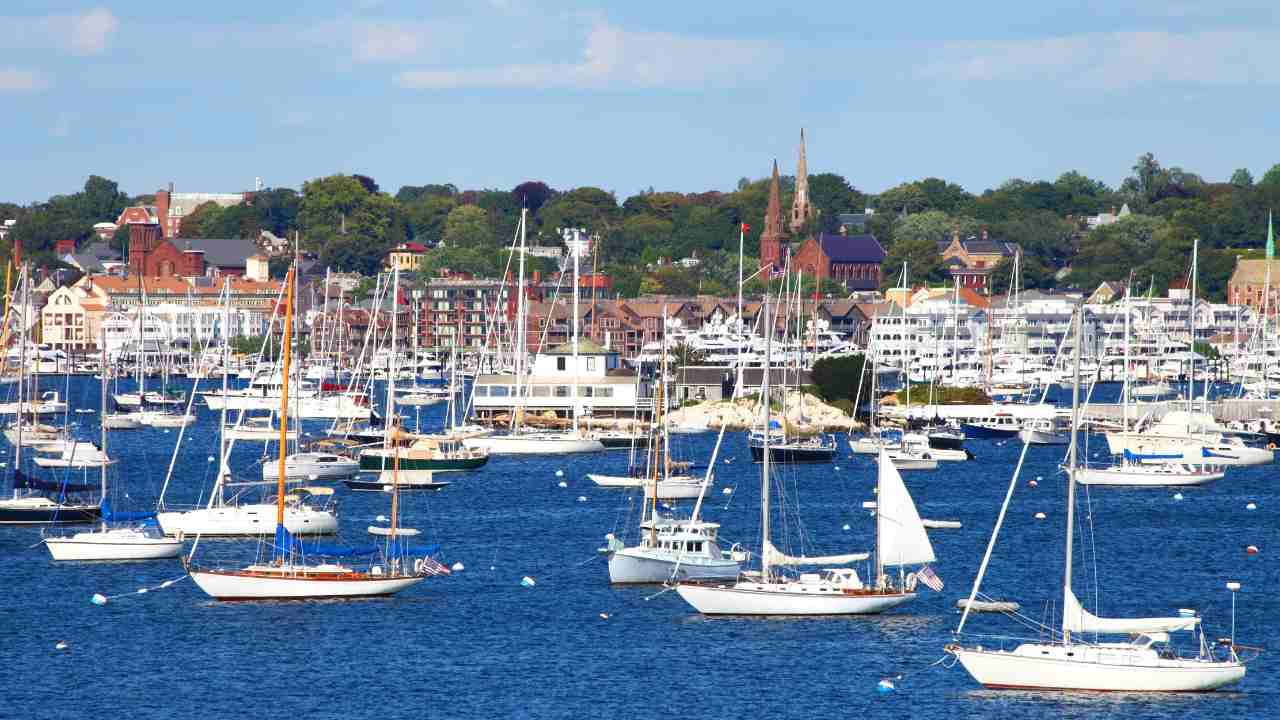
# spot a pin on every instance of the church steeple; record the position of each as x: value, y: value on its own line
x: 800, y: 205
x: 771, y: 238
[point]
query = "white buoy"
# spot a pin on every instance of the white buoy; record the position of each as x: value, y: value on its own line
x: 381, y: 518
x: 98, y: 599
x: 62, y: 645
x: 1251, y: 506
x: 582, y: 498
x: 559, y: 473
x: 563, y: 484
x: 727, y: 491
x: 458, y: 567
x: 527, y: 581
x: 1177, y: 496
x: 210, y: 458
x: 142, y: 591
x: 885, y: 686
x: 604, y: 616
x: 837, y: 467
x: 846, y: 527
x: 1032, y: 483
x: 1039, y: 516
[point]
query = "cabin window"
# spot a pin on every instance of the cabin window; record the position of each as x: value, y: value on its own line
x: 585, y: 391
x: 500, y: 391
x: 482, y: 391
x: 562, y: 391
x: 604, y: 392
x: 541, y: 391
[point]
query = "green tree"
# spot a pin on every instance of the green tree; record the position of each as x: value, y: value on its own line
x: 1242, y: 178
x: 467, y: 226
x: 1272, y: 176
x: 842, y: 378
x: 831, y: 194
x: 352, y: 228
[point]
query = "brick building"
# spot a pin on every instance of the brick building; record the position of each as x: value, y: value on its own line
x: 970, y: 262
x: 851, y: 260
x: 152, y: 255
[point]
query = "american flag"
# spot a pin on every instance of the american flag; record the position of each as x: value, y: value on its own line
x: 431, y: 566
x: 930, y: 578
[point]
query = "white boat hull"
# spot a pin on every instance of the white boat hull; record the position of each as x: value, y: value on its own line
x: 1147, y: 476
x: 247, y: 520
x: 533, y: 445
x: 312, y: 471
x: 682, y: 488
x: 913, y: 463
x: 232, y: 586
x: 640, y: 566
x: 1048, y: 667
x: 108, y: 545
x: 755, y: 599
x: 1192, y: 451
x: 1042, y: 437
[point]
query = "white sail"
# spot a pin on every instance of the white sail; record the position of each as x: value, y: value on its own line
x: 1076, y: 619
x: 777, y: 557
x: 903, y: 540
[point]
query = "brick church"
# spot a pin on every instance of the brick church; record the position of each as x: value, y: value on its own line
x: 851, y: 260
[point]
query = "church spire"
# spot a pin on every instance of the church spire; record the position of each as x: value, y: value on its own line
x: 800, y: 205
x: 771, y: 238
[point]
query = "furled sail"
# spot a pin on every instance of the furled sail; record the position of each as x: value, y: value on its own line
x: 777, y: 557
x: 903, y: 540
x: 1076, y: 619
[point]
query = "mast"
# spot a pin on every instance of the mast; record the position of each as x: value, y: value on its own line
x: 223, y: 470
x: 576, y: 292
x: 285, y: 347
x: 1191, y: 322
x: 24, y: 279
x: 391, y: 389
x: 1071, y: 474
x: 102, y: 418
x: 764, y: 471
x: 522, y: 339
x: 1124, y: 408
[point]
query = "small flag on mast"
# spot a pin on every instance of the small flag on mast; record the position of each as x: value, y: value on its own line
x: 930, y: 578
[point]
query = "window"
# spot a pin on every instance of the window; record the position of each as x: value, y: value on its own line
x: 604, y: 392
x: 482, y: 391
x: 584, y: 391
x: 541, y: 391
x: 591, y: 363
x: 560, y: 363
x: 562, y: 391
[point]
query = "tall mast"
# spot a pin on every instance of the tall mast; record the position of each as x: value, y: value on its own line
x: 522, y: 339
x: 24, y: 280
x: 1124, y: 408
x: 391, y: 389
x: 1071, y: 473
x: 1191, y: 321
x: 223, y: 470
x: 285, y: 347
x: 764, y: 471
x: 577, y: 239
x: 102, y: 416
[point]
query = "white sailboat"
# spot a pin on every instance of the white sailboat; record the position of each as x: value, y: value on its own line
x: 288, y: 574
x: 1141, y: 664
x: 900, y: 540
x: 109, y: 542
x: 226, y: 514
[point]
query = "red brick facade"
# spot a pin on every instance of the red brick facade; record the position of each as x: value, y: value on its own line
x: 153, y: 256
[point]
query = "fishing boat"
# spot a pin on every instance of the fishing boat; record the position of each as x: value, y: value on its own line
x: 900, y: 540
x: 1044, y: 431
x: 1068, y: 661
x: 289, y: 572
x: 687, y: 550
x: 999, y: 425
x: 914, y: 453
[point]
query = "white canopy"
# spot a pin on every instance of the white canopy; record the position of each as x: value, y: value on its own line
x: 1076, y: 619
x: 774, y: 556
x: 902, y: 538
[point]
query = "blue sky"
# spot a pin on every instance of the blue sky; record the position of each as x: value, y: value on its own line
x: 681, y: 96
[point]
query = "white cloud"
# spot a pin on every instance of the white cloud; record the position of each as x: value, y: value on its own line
x: 90, y: 31
x: 385, y: 42
x: 1119, y: 60
x: 19, y: 80
x: 86, y: 33
x: 615, y: 58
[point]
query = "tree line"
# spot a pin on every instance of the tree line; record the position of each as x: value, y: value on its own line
x: 350, y: 223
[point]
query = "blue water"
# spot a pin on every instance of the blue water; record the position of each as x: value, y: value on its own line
x: 478, y: 645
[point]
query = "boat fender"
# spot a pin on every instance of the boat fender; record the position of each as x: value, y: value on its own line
x: 1271, y: 446
x: 910, y: 582
x: 418, y: 566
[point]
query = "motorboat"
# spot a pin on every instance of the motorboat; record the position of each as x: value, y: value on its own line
x: 312, y: 467
x: 672, y: 549
x: 113, y: 544
x: 813, y: 449
x: 1044, y: 431
x: 437, y: 454
x: 535, y: 443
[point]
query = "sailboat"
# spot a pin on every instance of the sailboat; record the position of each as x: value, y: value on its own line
x: 288, y: 574
x: 520, y: 442
x: 1144, y: 663
x: 229, y: 516
x: 29, y: 505
x: 901, y: 540
x: 118, y: 541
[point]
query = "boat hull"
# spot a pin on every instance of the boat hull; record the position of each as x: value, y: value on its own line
x: 633, y: 566
x: 533, y: 445
x: 794, y: 454
x: 1041, y: 437
x: 234, y: 585
x: 246, y: 520
x: 984, y: 431
x: 1164, y: 448
x: 22, y: 512
x: 1089, y: 670
x: 1146, y: 476
x: 744, y: 600
x: 112, y: 546
x: 377, y: 462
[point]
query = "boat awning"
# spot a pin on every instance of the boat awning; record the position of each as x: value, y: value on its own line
x: 774, y: 556
x: 1076, y: 619
x: 387, y: 532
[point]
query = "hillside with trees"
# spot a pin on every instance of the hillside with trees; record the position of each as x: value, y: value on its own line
x: 350, y: 222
